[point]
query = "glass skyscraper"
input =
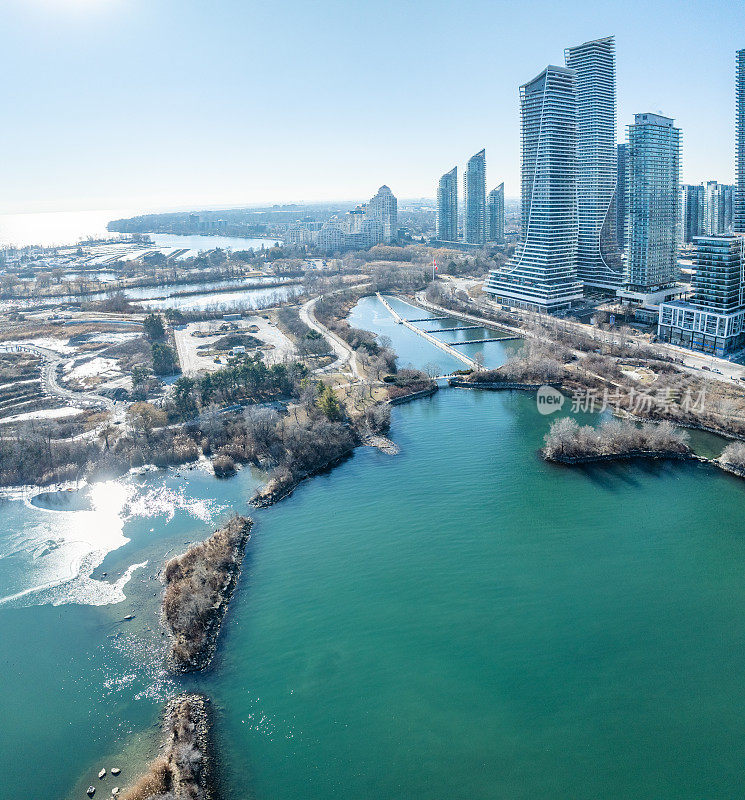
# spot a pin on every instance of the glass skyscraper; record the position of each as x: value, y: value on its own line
x: 739, y: 221
x: 691, y: 211
x: 542, y: 275
x: 622, y: 151
x: 447, y: 207
x: 654, y: 196
x: 495, y: 214
x: 598, y: 257
x: 474, y: 184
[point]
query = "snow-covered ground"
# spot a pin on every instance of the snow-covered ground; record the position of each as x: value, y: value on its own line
x: 92, y: 368
x: 111, y: 337
x: 44, y: 413
x: 61, y: 346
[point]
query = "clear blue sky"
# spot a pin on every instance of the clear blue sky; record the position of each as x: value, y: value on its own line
x: 158, y: 103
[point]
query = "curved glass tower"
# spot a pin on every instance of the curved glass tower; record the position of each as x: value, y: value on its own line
x: 542, y: 275
x: 598, y: 257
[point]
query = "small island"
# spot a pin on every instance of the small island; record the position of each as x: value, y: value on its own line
x: 199, y: 585
x: 568, y: 442
x: 184, y: 769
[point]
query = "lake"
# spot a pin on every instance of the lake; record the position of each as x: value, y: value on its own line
x: 460, y: 620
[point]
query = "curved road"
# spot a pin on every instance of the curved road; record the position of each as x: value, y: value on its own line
x: 343, y: 351
x: 49, y: 382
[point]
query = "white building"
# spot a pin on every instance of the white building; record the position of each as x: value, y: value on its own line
x: 384, y: 209
x: 598, y: 258
x: 542, y: 275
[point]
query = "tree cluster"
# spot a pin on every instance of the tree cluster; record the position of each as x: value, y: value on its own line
x: 567, y: 440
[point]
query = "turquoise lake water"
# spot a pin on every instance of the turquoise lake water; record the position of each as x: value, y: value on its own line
x: 461, y: 620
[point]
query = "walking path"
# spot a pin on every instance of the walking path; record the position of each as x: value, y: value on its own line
x: 345, y: 354
x: 691, y: 361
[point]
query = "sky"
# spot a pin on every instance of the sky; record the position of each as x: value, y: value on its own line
x: 157, y: 104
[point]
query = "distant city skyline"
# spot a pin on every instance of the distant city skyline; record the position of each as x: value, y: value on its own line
x: 108, y: 106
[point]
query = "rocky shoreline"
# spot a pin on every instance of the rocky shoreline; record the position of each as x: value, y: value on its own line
x: 649, y: 455
x: 185, y: 769
x: 460, y: 383
x: 659, y: 455
x: 199, y: 586
x: 397, y: 401
x: 276, y: 489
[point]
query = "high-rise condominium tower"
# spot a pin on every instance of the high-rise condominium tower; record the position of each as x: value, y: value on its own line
x: 711, y: 208
x: 654, y: 197
x: 495, y: 214
x: 447, y: 207
x: 543, y: 273
x: 383, y: 208
x: 622, y: 151
x: 718, y: 207
x: 739, y: 221
x: 691, y: 212
x: 598, y: 257
x: 474, y: 184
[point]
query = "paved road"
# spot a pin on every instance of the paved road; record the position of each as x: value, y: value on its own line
x: 50, y: 383
x: 345, y: 354
x: 702, y: 364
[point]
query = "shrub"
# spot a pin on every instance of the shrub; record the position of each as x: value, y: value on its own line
x: 223, y: 465
x: 196, y: 584
x: 733, y: 456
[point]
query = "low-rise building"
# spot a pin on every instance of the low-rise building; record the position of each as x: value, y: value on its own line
x: 713, y: 321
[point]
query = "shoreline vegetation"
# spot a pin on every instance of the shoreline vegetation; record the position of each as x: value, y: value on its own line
x: 568, y: 442
x: 572, y: 444
x: 320, y: 429
x: 185, y: 768
x: 632, y: 378
x: 199, y: 585
x: 319, y: 445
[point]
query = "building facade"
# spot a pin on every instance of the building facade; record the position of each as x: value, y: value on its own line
x: 714, y: 320
x: 691, y: 212
x: 598, y: 257
x: 653, y: 186
x: 474, y: 187
x: 363, y: 227
x: 447, y: 207
x: 622, y: 157
x: 739, y: 204
x: 542, y: 275
x: 383, y: 208
x: 706, y: 210
x: 718, y: 208
x: 495, y: 214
